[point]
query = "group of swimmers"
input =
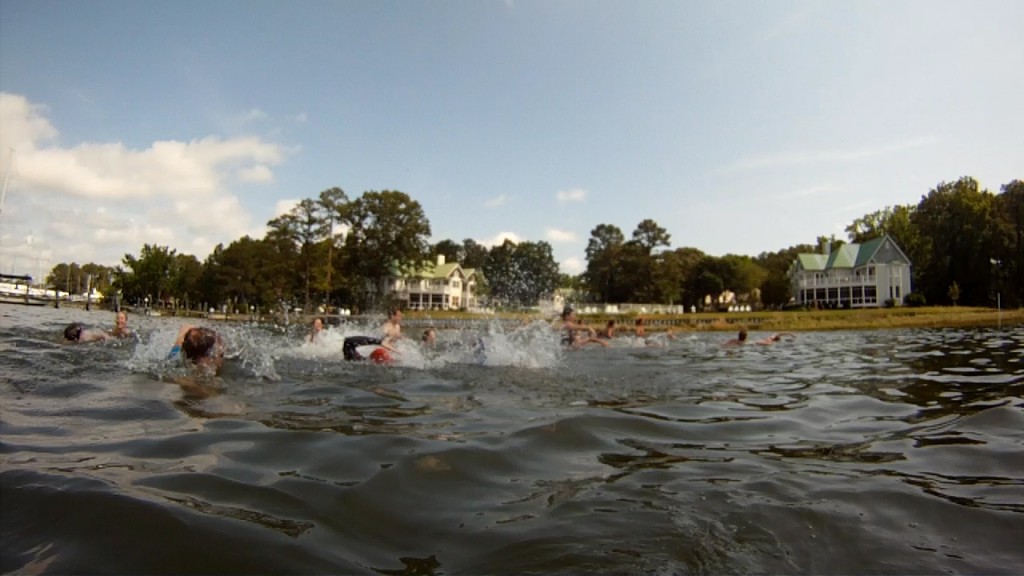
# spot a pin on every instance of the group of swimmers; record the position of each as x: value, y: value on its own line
x: 391, y: 333
x: 204, y: 348
x: 576, y: 334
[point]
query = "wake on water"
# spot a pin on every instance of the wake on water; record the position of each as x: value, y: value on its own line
x: 257, y: 349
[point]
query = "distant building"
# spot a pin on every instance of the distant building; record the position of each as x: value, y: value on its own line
x: 852, y: 276
x: 435, y: 286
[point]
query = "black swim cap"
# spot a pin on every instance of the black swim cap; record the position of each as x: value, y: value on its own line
x: 73, y: 332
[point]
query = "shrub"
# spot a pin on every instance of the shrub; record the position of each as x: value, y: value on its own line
x: 915, y: 299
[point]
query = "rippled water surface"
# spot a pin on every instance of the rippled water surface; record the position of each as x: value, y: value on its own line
x: 895, y: 452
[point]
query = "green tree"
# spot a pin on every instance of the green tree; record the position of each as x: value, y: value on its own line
x: 306, y: 225
x: 148, y: 277
x: 474, y: 254
x: 649, y: 235
x: 389, y: 234
x: 603, y: 249
x: 520, y: 275
x: 1008, y: 244
x: 954, y: 222
x: 186, y: 280
x: 775, y: 288
x: 450, y: 249
x: 334, y: 210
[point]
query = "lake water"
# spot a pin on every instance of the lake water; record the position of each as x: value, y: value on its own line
x: 890, y: 452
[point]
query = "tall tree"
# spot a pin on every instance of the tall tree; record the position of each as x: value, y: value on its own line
x: 776, y: 290
x: 474, y: 254
x: 954, y: 221
x: 649, y: 235
x: 603, y: 248
x: 305, y: 225
x: 450, y: 249
x: 186, y: 280
x: 522, y: 274
x: 1008, y: 244
x: 389, y: 234
x: 334, y: 208
x: 150, y: 273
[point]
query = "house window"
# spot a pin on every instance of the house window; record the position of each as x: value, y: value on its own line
x: 870, y: 295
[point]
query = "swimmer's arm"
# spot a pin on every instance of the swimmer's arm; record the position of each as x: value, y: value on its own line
x: 179, y: 340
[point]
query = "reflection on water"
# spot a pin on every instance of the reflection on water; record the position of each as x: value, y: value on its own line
x: 498, y: 452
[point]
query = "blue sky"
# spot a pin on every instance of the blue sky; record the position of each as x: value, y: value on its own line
x: 740, y: 127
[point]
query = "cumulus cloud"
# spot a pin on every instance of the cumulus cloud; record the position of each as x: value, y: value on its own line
x: 500, y: 238
x: 556, y: 235
x: 571, y: 195
x: 96, y: 201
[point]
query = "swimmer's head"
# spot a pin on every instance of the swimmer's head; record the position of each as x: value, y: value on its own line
x: 566, y: 312
x: 429, y: 336
x: 742, y: 336
x: 73, y: 332
x: 203, y: 345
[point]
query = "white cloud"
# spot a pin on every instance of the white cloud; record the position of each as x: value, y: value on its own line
x: 284, y: 206
x: 496, y: 201
x: 572, y: 195
x: 95, y: 202
x: 556, y: 235
x: 572, y: 266
x: 259, y: 173
x: 500, y: 238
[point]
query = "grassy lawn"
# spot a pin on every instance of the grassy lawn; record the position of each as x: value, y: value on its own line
x: 874, y: 318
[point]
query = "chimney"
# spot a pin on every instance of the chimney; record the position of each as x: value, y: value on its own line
x: 440, y: 259
x: 828, y: 247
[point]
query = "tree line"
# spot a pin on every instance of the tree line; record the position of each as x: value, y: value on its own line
x: 962, y: 241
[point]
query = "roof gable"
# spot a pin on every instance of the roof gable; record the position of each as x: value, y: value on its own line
x: 880, y: 250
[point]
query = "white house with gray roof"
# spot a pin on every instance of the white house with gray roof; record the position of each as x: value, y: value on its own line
x: 852, y: 276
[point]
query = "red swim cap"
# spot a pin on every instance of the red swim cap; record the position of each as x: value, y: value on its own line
x: 380, y: 356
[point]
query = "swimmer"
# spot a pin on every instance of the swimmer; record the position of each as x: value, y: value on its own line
x: 392, y: 327
x: 608, y: 332
x: 315, y: 328
x: 572, y: 330
x: 429, y: 337
x: 740, y: 339
x: 203, y: 347
x: 640, y: 330
x: 121, y: 329
x: 348, y: 347
x: 775, y: 338
x: 77, y: 332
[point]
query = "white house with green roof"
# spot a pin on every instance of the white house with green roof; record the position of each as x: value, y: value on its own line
x: 852, y: 276
x: 436, y: 286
